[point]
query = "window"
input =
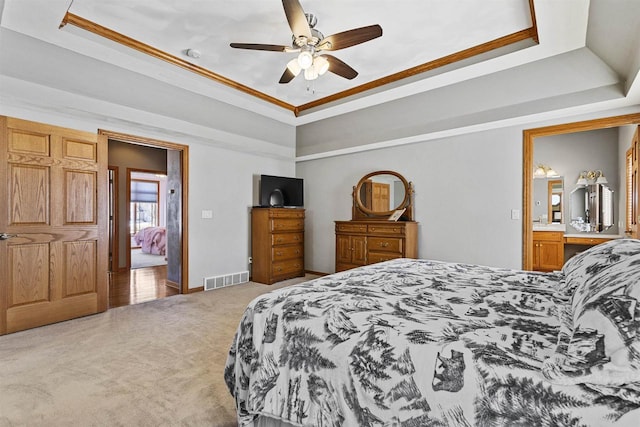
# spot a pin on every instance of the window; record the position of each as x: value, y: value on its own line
x: 143, y: 209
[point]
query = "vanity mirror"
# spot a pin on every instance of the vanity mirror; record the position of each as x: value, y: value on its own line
x: 378, y: 194
x: 382, y: 226
x: 591, y: 208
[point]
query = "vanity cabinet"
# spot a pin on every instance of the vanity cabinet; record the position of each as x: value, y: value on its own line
x: 368, y: 242
x: 277, y: 244
x: 548, y: 250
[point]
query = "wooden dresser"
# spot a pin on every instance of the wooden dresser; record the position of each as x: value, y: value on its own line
x: 367, y: 242
x: 277, y: 244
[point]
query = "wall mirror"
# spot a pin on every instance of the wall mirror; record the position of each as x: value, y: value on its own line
x: 548, y: 200
x: 592, y: 208
x: 555, y: 198
x: 378, y: 194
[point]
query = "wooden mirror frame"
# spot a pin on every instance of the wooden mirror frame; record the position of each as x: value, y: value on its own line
x: 360, y: 211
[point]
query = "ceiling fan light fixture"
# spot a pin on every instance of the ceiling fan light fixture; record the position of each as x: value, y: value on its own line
x: 310, y: 73
x: 321, y: 65
x: 305, y: 58
x: 294, y: 67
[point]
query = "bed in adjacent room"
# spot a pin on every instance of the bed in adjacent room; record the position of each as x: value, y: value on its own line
x: 152, y: 240
x: 426, y: 343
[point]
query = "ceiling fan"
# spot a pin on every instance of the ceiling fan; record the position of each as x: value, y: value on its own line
x: 310, y: 45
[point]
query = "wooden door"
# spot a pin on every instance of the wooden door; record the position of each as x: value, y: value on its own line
x: 53, y: 194
x: 343, y: 249
x: 380, y: 197
x: 359, y: 248
x: 551, y: 256
x: 633, y: 190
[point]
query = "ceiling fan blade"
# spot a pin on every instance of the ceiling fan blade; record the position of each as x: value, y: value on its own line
x: 287, y: 76
x: 338, y: 67
x: 350, y: 38
x: 258, y: 46
x: 296, y: 18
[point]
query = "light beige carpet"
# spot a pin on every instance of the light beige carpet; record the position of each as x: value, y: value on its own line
x: 159, y: 363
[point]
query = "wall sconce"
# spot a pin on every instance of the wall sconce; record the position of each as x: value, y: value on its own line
x: 587, y: 177
x: 543, y: 171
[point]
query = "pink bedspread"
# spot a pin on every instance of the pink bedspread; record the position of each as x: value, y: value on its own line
x: 152, y: 240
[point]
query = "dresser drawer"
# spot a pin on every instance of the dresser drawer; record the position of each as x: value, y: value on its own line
x: 286, y: 213
x: 351, y: 228
x: 384, y: 244
x: 285, y: 224
x: 381, y: 256
x: 286, y: 238
x: 291, y: 266
x: 280, y: 253
x: 548, y: 236
x: 588, y: 241
x: 386, y: 229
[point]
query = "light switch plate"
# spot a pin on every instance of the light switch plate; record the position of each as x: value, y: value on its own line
x: 207, y: 214
x: 515, y: 213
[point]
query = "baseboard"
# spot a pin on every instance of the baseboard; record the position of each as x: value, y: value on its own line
x: 198, y: 289
x: 172, y: 284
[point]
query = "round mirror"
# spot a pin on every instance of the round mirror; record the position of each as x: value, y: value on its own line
x: 381, y: 193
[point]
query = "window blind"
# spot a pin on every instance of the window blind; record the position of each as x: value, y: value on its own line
x: 144, y: 191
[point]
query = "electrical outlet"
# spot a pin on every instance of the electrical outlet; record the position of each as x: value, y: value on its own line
x: 250, y: 260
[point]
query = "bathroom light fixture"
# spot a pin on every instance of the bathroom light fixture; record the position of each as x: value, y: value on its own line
x: 543, y: 171
x: 587, y: 177
x: 582, y: 180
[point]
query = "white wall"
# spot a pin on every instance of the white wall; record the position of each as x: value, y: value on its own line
x: 570, y: 154
x: 223, y: 181
x: 464, y: 192
x: 466, y: 187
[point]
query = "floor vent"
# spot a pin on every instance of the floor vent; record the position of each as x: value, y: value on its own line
x: 215, y: 282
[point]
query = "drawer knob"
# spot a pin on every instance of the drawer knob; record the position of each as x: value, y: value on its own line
x: 279, y: 253
x: 384, y: 244
x: 279, y: 240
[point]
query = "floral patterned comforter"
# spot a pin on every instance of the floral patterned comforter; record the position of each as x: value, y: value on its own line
x: 413, y: 343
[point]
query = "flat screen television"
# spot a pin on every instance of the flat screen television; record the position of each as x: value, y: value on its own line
x: 281, y: 191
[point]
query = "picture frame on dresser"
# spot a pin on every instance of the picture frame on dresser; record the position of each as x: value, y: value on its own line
x: 396, y: 214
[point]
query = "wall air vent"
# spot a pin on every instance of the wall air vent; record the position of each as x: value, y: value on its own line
x: 216, y: 282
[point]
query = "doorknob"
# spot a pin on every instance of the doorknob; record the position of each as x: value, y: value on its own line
x: 5, y: 236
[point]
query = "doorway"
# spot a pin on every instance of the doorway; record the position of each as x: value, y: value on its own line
x: 529, y: 137
x: 147, y: 220
x: 167, y: 279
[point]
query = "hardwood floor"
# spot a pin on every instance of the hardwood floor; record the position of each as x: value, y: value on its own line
x: 139, y: 285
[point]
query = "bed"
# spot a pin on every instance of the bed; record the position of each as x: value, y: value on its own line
x: 425, y: 343
x: 152, y: 240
